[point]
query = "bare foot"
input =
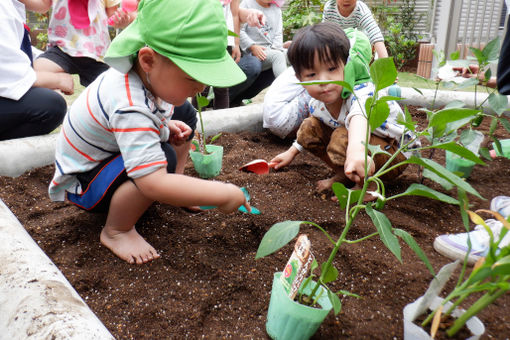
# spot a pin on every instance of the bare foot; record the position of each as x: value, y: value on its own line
x: 129, y: 246
x: 325, y: 184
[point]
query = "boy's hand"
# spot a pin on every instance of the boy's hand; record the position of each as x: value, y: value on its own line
x: 284, y: 159
x: 179, y: 132
x: 258, y: 51
x: 253, y: 17
x: 236, y: 198
x: 354, y: 167
x: 236, y: 53
x: 65, y: 83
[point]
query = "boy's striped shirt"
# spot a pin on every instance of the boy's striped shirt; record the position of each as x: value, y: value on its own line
x: 116, y: 113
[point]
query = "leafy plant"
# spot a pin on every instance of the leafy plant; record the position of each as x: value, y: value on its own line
x: 202, y: 143
x: 300, y: 13
x: 383, y: 74
x: 490, y: 277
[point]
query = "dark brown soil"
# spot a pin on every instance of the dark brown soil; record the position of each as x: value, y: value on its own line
x: 207, y: 282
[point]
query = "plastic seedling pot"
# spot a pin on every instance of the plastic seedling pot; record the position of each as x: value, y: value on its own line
x: 455, y: 163
x: 209, y: 165
x: 287, y: 319
x: 412, y: 331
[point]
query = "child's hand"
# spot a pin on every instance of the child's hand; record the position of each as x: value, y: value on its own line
x: 253, y: 17
x: 236, y: 53
x: 354, y: 167
x: 283, y: 159
x: 65, y: 83
x: 258, y: 51
x: 179, y: 132
x: 120, y: 19
x: 236, y: 198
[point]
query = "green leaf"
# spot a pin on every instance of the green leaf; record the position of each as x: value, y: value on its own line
x: 337, y: 82
x: 335, y: 301
x: 277, y: 236
x: 384, y: 228
x: 478, y: 55
x: 347, y: 293
x: 498, y: 103
x: 502, y: 266
x: 329, y: 276
x: 455, y: 55
x: 341, y: 193
x: 459, y: 150
x: 445, y: 116
x: 404, y: 235
x: 202, y: 101
x: 376, y: 149
x: 232, y: 34
x: 467, y: 83
x: 417, y: 90
x: 485, y: 153
x: 379, y: 115
x: 215, y: 137
x: 383, y: 73
x: 455, y: 104
x: 416, y: 189
x: 443, y: 172
x: 438, y: 179
x: 491, y: 50
x: 506, y: 123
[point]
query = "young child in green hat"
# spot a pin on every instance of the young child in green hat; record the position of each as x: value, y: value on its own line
x: 125, y: 141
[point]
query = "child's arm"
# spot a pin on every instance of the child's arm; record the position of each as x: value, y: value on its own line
x: 40, y: 6
x: 253, y: 17
x: 119, y: 18
x: 354, y: 166
x: 55, y: 81
x: 380, y: 48
x: 182, y: 191
x: 236, y: 51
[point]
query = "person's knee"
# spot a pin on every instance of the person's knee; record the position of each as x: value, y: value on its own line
x: 311, y: 136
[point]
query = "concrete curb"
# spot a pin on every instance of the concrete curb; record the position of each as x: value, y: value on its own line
x: 36, y: 300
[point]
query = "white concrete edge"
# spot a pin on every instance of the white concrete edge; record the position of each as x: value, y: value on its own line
x: 36, y: 300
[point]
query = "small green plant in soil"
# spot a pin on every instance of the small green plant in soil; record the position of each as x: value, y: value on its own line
x: 383, y: 74
x: 202, y: 144
x: 489, y: 279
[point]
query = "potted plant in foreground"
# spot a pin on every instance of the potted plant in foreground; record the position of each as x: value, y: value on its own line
x: 297, y: 311
x: 207, y: 158
x: 489, y: 279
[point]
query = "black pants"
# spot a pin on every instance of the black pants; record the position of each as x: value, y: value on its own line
x: 38, y: 112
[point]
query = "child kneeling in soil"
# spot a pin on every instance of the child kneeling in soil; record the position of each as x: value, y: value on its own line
x: 120, y: 149
x: 337, y: 126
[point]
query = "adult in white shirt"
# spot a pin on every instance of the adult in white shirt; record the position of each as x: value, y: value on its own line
x: 28, y: 104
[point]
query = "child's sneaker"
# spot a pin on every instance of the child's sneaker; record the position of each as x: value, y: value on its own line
x: 455, y: 246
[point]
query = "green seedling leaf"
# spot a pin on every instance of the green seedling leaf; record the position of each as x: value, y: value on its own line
x: 341, y: 193
x: 386, y: 98
x: 478, y: 55
x: 502, y: 266
x: 335, y: 301
x: 443, y: 172
x: 418, y: 90
x: 438, y: 179
x: 278, y: 236
x: 498, y: 103
x: 445, y: 116
x: 376, y: 149
x: 459, y: 150
x: 467, y: 83
x: 455, y: 55
x: 491, y: 50
x: 416, y: 189
x: 329, y: 276
x: 506, y: 123
x: 202, y: 101
x: 383, y: 73
x: 215, y: 138
x: 485, y: 153
x: 455, y: 104
x: 384, y: 228
x: 314, y: 266
x: 232, y: 34
x: 379, y: 114
x: 404, y: 235
x: 342, y: 83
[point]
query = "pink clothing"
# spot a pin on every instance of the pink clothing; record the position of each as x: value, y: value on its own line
x: 69, y: 31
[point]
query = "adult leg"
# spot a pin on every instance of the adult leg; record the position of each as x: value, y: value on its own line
x: 251, y: 67
x: 38, y: 112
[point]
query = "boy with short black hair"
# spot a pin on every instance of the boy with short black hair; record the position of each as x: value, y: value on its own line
x: 336, y: 129
x: 120, y: 149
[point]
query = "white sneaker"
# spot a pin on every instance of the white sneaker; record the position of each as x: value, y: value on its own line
x: 455, y: 246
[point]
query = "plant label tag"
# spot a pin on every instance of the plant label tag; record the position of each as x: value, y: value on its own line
x: 298, y: 266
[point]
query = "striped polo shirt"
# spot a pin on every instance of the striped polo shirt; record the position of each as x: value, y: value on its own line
x: 115, y: 113
x: 361, y: 18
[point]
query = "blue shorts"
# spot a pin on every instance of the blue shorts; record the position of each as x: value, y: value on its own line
x: 100, y: 183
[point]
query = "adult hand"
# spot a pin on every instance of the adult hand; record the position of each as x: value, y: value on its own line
x: 258, y: 51
x: 179, y: 132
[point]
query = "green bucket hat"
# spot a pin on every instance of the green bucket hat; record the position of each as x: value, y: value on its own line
x: 191, y: 33
x: 357, y: 70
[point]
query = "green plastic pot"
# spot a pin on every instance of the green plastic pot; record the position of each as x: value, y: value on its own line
x: 287, y: 319
x: 209, y: 165
x: 460, y: 165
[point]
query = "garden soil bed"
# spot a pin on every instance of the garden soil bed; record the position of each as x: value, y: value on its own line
x: 207, y: 283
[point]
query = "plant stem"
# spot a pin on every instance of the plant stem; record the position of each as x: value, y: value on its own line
x: 479, y: 305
